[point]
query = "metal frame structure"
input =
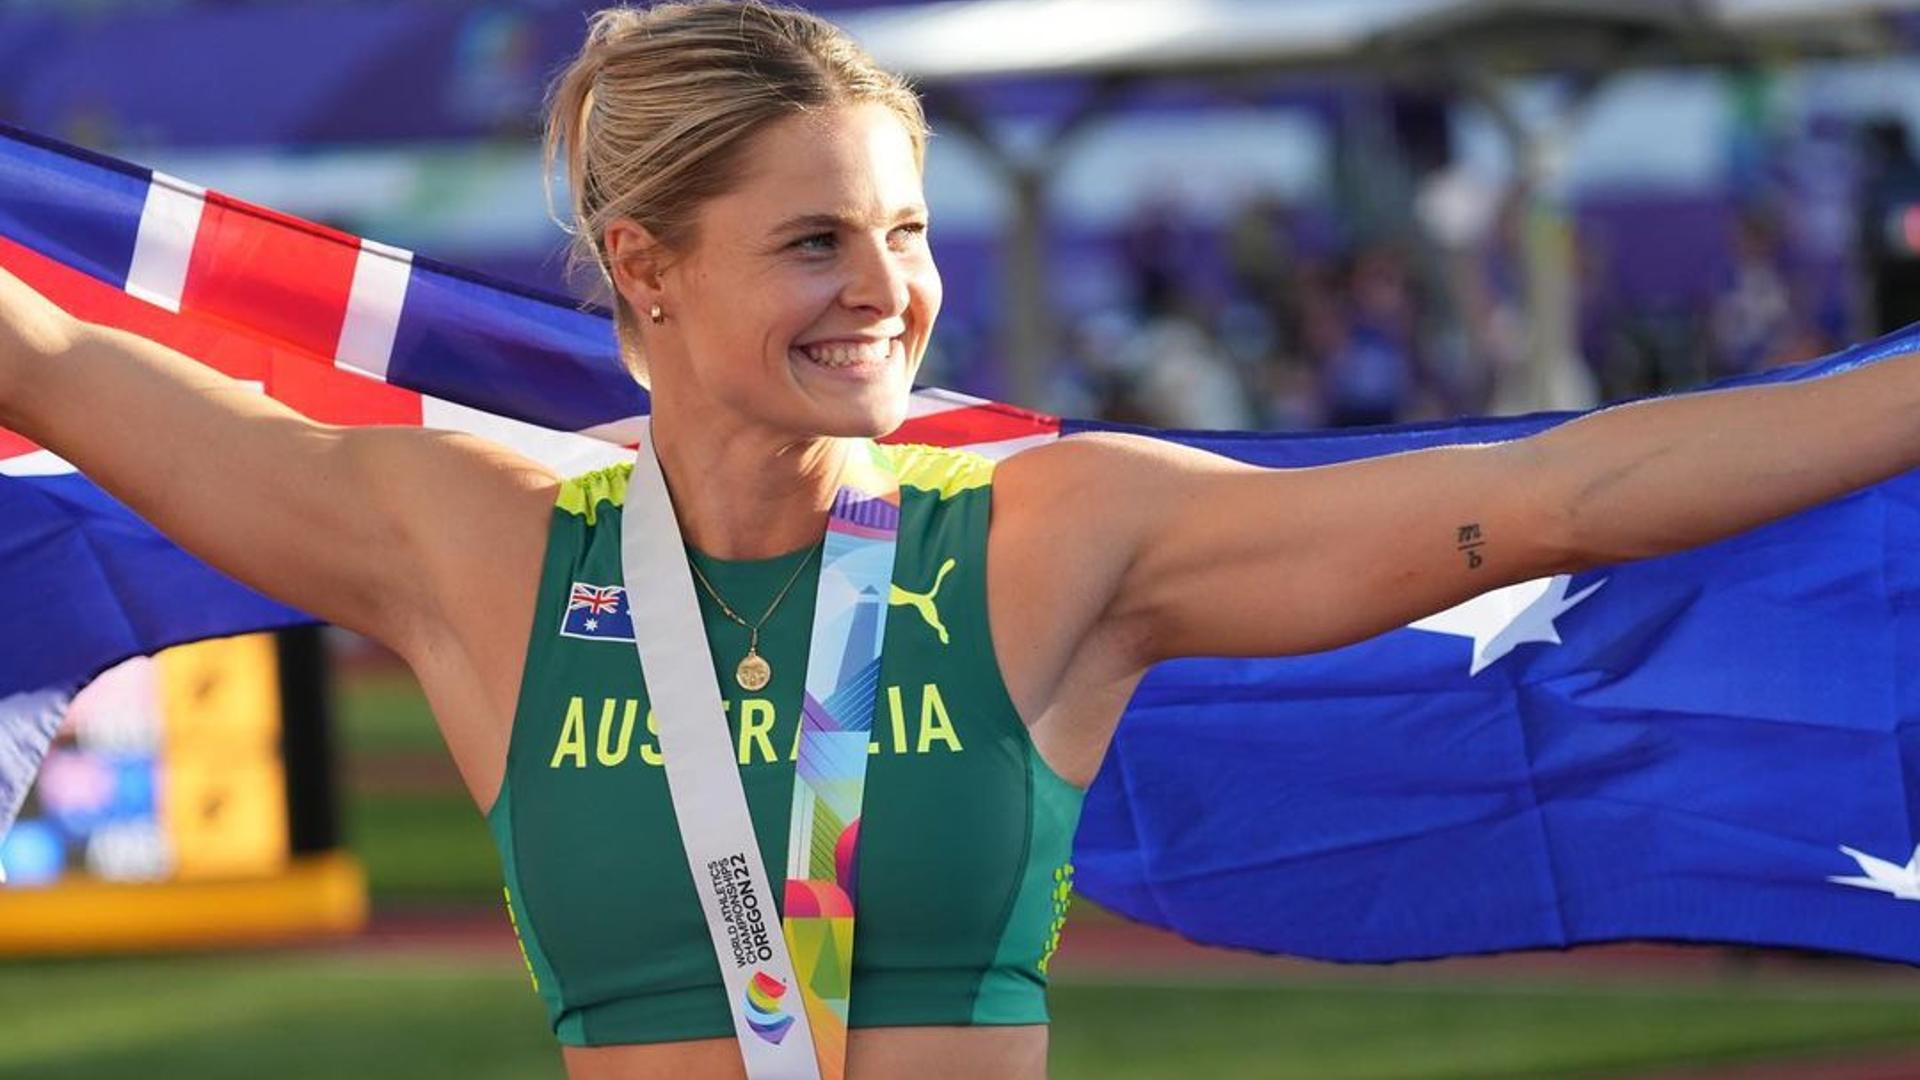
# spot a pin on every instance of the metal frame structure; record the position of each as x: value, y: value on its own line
x: 1467, y: 47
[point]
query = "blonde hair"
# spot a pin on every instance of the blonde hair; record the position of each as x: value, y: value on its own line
x: 652, y: 116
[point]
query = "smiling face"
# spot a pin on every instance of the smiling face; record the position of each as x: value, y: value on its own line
x: 808, y: 297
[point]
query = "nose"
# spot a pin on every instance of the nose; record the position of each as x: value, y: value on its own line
x: 878, y: 281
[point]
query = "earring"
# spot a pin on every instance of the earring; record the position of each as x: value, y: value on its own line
x: 657, y: 315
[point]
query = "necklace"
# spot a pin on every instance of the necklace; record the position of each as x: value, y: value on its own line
x: 753, y: 672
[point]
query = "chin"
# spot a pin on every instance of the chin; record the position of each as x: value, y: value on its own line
x: 868, y: 410
x: 862, y: 421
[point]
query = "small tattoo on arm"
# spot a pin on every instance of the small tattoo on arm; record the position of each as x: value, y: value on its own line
x: 1467, y: 538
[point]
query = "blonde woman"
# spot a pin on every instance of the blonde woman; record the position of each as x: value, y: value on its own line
x: 750, y: 186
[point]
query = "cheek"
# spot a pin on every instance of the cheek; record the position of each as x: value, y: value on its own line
x: 775, y: 317
x: 758, y: 310
x: 928, y: 289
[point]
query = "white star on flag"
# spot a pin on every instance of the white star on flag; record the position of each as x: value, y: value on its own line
x: 593, y: 624
x: 1900, y: 882
x: 1514, y: 615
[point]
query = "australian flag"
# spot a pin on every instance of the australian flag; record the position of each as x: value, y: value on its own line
x: 598, y: 612
x: 1722, y: 745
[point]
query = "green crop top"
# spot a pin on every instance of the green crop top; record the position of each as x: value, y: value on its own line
x: 963, y: 873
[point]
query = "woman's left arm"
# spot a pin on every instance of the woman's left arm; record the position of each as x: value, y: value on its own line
x: 1211, y: 557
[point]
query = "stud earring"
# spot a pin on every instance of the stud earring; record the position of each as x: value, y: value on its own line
x: 657, y: 315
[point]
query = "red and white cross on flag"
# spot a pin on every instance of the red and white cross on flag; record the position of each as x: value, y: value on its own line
x: 597, y: 599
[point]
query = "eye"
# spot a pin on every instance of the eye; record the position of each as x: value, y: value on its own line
x: 822, y: 241
x: 915, y: 230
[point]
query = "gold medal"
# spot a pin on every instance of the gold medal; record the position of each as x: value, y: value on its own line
x: 753, y: 672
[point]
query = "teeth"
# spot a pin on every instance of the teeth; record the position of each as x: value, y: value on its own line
x: 846, y: 354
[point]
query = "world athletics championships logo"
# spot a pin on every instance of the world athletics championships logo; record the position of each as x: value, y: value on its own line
x: 765, y: 1014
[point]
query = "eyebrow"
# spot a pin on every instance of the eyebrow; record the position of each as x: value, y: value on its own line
x: 841, y: 221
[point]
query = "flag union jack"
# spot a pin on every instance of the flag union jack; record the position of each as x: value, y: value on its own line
x: 596, y: 599
x: 598, y: 612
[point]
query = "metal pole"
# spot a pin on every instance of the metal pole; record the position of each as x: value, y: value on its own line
x: 1026, y: 300
x: 1028, y: 326
x: 1555, y: 376
x: 306, y: 740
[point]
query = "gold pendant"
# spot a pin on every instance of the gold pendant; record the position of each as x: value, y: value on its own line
x: 753, y: 672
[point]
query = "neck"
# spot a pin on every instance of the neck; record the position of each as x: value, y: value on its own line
x: 746, y: 493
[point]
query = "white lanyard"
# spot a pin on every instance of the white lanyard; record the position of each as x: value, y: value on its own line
x: 703, y: 777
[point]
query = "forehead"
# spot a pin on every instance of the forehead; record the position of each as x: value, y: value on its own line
x: 856, y: 161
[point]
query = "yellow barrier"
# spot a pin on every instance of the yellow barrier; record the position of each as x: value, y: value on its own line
x: 322, y: 894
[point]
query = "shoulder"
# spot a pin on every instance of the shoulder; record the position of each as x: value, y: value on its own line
x: 1072, y: 519
x: 1066, y: 522
x: 442, y: 489
x: 1081, y: 463
x: 505, y: 498
x: 1101, y: 472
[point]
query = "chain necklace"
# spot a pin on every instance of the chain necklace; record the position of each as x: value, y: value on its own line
x: 754, y: 672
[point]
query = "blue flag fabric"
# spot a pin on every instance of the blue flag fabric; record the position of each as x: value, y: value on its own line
x: 1715, y: 746
x: 1719, y: 745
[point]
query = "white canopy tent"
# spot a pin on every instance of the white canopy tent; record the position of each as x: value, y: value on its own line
x: 964, y: 39
x: 1465, y: 45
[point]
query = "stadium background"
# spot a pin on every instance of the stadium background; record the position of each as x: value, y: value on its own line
x: 1272, y: 249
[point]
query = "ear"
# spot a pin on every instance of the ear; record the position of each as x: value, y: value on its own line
x: 635, y: 262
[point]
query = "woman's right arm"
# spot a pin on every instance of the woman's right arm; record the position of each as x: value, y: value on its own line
x: 371, y: 528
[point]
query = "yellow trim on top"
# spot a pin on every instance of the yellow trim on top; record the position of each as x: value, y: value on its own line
x: 320, y: 894
x: 579, y: 495
x: 942, y: 470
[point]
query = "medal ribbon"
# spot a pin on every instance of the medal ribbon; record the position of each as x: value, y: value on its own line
x: 836, y: 724
x: 703, y: 777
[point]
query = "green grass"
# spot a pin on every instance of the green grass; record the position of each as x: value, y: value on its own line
x: 298, y: 1015
x: 313, y: 1015
x: 319, y: 1014
x: 290, y: 1016
x: 1329, y: 1031
x: 423, y: 849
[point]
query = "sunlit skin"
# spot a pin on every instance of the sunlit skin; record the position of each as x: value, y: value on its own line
x: 1105, y: 554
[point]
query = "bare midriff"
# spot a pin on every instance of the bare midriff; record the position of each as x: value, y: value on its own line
x: 925, y: 1053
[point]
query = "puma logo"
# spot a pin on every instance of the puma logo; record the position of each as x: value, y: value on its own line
x: 924, y: 602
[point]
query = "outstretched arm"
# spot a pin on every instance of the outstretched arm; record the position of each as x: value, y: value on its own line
x: 369, y: 528
x: 1202, y: 556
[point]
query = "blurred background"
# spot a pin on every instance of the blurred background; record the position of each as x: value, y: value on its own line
x: 1279, y: 215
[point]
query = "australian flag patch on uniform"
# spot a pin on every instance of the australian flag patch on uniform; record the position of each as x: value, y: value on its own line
x: 598, y: 612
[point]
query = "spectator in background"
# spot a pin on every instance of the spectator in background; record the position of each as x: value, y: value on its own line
x: 1820, y: 180
x: 1262, y: 327
x: 1890, y: 224
x: 1185, y: 380
x: 1752, y: 314
x: 1170, y: 369
x: 1365, y: 345
x: 1260, y: 252
x: 1474, y: 326
x: 1091, y: 379
x: 1306, y: 340
x: 1157, y: 245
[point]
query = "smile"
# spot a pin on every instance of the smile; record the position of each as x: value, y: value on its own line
x: 852, y: 357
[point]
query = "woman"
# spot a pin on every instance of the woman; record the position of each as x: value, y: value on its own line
x: 750, y: 186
